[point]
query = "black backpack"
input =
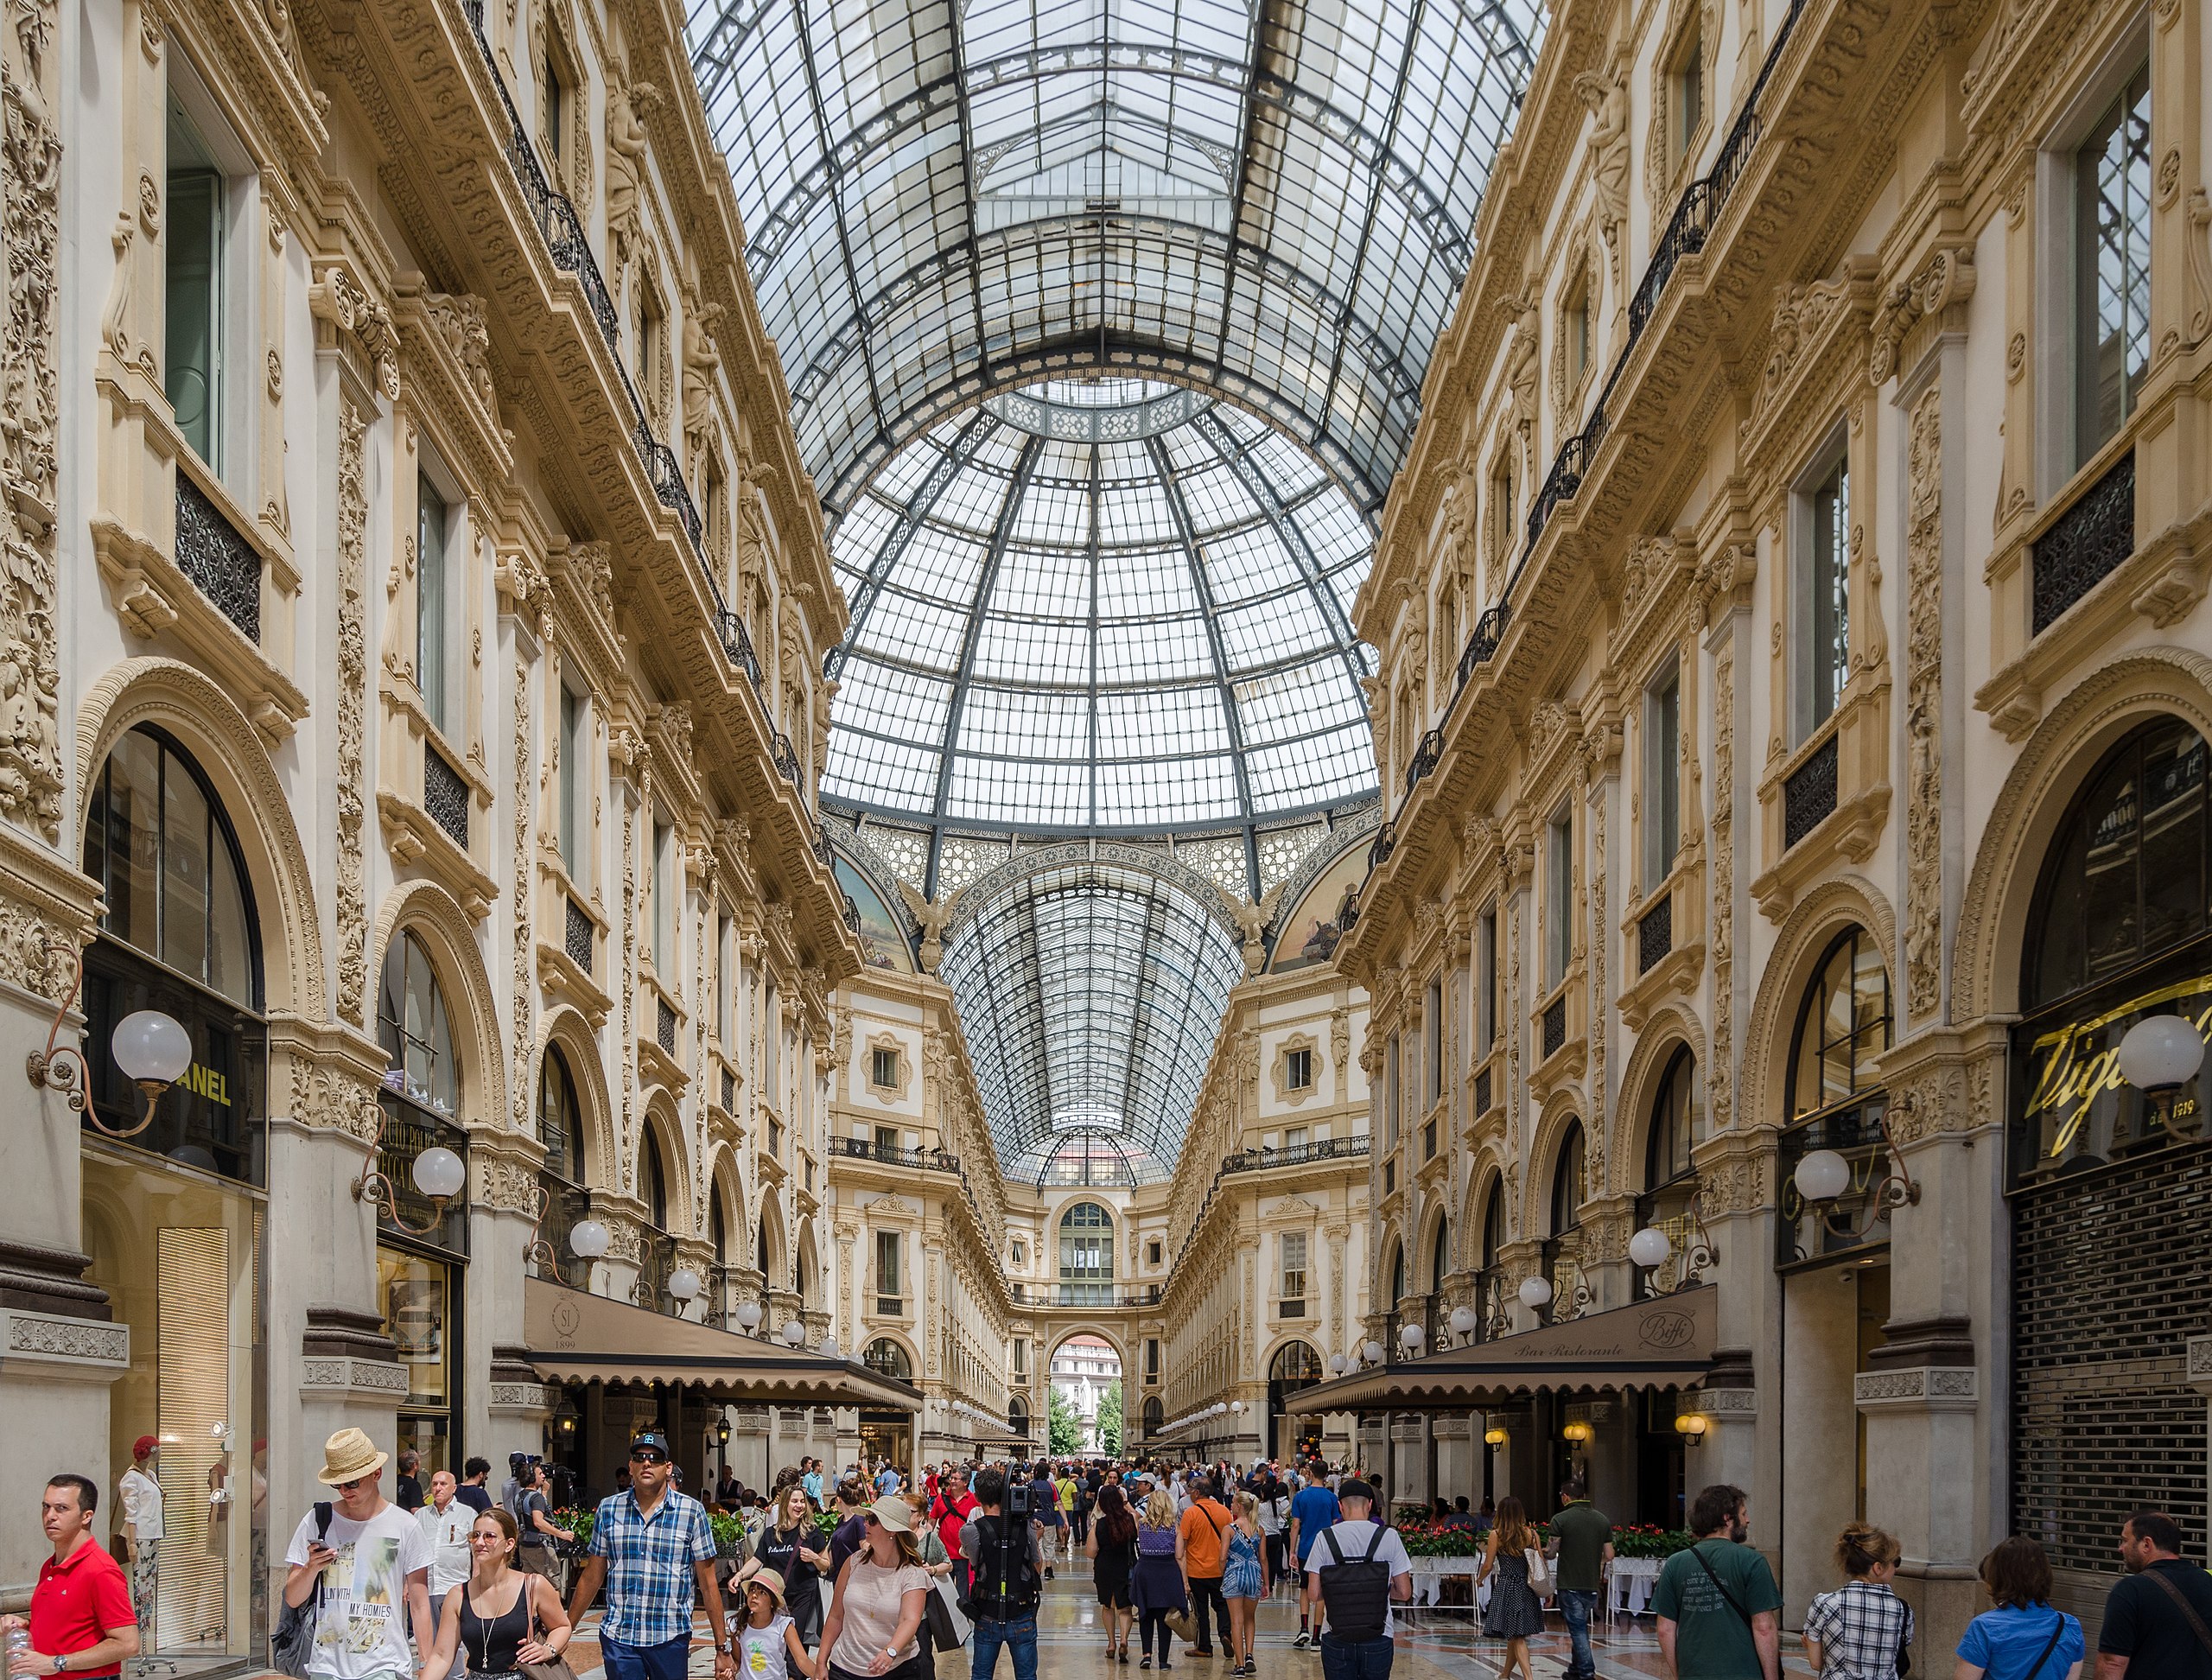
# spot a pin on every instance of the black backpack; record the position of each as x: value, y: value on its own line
x: 1356, y: 1591
x: 294, y: 1637
x: 1003, y: 1584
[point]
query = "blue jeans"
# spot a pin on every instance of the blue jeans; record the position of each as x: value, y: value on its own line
x: 1576, y: 1605
x: 667, y: 1661
x: 1018, y: 1636
x: 1362, y: 1659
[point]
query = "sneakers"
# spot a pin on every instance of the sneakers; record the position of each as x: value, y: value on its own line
x: 1146, y: 1661
x: 1303, y: 1640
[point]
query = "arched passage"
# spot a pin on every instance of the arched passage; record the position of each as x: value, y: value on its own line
x: 1295, y: 1364
x: 1085, y: 1369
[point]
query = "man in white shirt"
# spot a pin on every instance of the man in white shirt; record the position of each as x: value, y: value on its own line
x: 1358, y: 1569
x: 446, y: 1523
x: 371, y: 1570
x: 140, y: 1495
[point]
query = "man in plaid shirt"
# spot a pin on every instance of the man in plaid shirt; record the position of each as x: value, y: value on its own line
x: 651, y: 1545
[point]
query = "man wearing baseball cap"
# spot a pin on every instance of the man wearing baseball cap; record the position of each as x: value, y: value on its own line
x: 1357, y: 1568
x: 652, y: 1546
x: 140, y: 1499
x: 370, y: 1559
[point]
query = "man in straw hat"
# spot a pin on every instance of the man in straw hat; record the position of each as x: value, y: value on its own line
x: 652, y: 1545
x: 373, y: 1558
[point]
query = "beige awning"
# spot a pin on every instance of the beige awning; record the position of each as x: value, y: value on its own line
x: 1665, y: 1343
x: 579, y: 1337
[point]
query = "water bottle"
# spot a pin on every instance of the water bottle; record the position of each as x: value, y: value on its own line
x: 19, y: 1644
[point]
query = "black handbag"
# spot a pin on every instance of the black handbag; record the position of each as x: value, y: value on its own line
x: 293, y: 1636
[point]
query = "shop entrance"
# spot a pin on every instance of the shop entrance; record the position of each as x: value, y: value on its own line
x: 1295, y: 1366
x: 889, y: 1436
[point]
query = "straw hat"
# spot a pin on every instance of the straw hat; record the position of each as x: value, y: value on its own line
x: 770, y: 1582
x: 894, y: 1513
x: 347, y: 1456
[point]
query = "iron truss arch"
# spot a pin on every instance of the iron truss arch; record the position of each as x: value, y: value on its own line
x: 1275, y: 199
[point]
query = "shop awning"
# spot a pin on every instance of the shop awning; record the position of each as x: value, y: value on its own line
x: 1665, y: 1343
x: 579, y: 1337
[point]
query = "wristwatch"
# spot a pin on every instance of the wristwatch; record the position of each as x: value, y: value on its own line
x: 61, y: 1663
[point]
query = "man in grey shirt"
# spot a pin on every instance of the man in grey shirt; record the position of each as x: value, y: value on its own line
x: 1002, y: 1590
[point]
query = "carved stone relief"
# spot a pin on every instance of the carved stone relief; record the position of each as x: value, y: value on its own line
x: 1924, y: 898
x: 353, y: 700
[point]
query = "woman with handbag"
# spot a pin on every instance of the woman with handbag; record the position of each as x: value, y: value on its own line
x: 1111, y: 1546
x: 787, y: 1545
x: 1156, y: 1582
x: 1516, y: 1608
x: 503, y: 1620
x: 939, y: 1630
x: 2022, y: 1637
x: 1860, y: 1631
x: 880, y: 1597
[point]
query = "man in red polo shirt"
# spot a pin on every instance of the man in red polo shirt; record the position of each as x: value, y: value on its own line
x: 81, y: 1621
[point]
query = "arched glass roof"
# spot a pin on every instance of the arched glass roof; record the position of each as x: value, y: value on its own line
x: 1275, y: 199
x: 1090, y: 989
x: 1109, y: 606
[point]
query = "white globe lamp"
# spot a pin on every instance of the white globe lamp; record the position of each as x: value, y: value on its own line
x: 1411, y: 1337
x: 685, y: 1284
x: 438, y: 1173
x: 151, y: 1047
x: 1649, y: 1248
x: 1372, y: 1352
x: 1823, y: 1176
x: 1338, y: 1364
x: 1463, y: 1321
x: 749, y: 1314
x: 2158, y: 1052
x: 588, y: 1240
x: 1536, y: 1292
x: 794, y: 1332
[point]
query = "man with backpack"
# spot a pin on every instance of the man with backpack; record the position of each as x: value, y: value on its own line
x: 1357, y: 1569
x: 365, y: 1565
x: 1005, y: 1579
x: 1717, y: 1603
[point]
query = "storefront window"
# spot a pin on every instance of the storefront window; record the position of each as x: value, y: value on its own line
x: 1562, y: 1252
x: 886, y: 1359
x: 1835, y: 1102
x: 421, y: 1304
x: 561, y: 1129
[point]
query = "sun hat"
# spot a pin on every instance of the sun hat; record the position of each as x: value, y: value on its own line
x: 770, y: 1582
x: 348, y: 1456
x: 893, y: 1513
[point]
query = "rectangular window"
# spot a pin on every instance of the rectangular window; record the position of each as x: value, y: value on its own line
x: 1486, y: 1000
x: 576, y: 784
x: 1662, y: 777
x: 664, y: 892
x: 771, y: 1032
x: 1578, y: 335
x: 883, y: 1069
x: 725, y: 979
x: 1152, y: 1251
x: 1294, y: 1138
x: 887, y: 1271
x: 2111, y: 277
x: 435, y: 672
x: 1151, y: 1361
x: 886, y: 1137
x: 1559, y: 896
x: 1294, y: 1273
x: 1432, y: 1040
x: 1501, y: 510
x: 1689, y: 95
x: 1020, y: 1358
x: 1298, y: 1070
x: 193, y: 246
x: 1823, y: 612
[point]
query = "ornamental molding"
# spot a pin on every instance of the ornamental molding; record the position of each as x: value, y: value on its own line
x: 1917, y: 1388
x: 102, y: 1347
x: 1733, y: 1405
x: 522, y: 1399
x: 372, y: 1379
x: 1923, y: 697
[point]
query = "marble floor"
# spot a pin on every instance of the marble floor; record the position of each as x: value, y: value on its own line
x: 1437, y: 1645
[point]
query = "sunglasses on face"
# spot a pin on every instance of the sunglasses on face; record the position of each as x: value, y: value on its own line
x: 357, y: 1481
x: 869, y: 1520
x: 647, y: 1457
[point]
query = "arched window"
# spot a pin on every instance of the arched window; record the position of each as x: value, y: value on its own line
x: 415, y: 1030
x: 1489, y: 1282
x: 1670, y: 1182
x: 760, y: 1255
x: 1843, y: 1026
x: 1568, y: 1190
x: 1155, y: 1415
x: 1397, y: 1275
x: 2126, y: 872
x: 1296, y: 1365
x: 159, y: 843
x: 653, y: 1182
x: 886, y: 1359
x: 1017, y: 1416
x: 718, y: 1228
x: 560, y: 1120
x: 1086, y: 1256
x: 1440, y: 1260
x: 1493, y: 1222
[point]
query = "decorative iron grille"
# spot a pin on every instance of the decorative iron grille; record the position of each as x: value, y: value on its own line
x: 729, y: 1091
x: 786, y: 760
x: 1386, y: 841
x: 220, y: 562
x: 1430, y: 749
x: 1482, y: 645
x: 849, y: 913
x: 1655, y: 933
x: 1809, y: 796
x: 665, y: 1026
x: 2086, y: 544
x: 445, y: 796
x: 2101, y: 1315
x: 1482, y: 1091
x: 577, y: 935
x: 1555, y: 1026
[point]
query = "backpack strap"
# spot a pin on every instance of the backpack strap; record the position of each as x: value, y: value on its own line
x: 1374, y: 1545
x: 1329, y: 1539
x: 2056, y: 1633
x: 2188, y: 1610
x: 1721, y: 1589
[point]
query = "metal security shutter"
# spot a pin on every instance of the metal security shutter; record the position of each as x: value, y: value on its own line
x: 2107, y: 1286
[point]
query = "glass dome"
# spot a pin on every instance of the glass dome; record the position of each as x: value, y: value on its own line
x: 1100, y: 605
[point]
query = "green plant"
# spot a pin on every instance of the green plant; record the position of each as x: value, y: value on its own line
x: 729, y: 1533
x: 1648, y: 1540
x: 578, y: 1521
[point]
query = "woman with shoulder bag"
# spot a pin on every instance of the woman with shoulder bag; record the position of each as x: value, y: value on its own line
x: 1516, y: 1609
x: 875, y: 1613
x: 1156, y: 1582
x: 2022, y: 1637
x: 1860, y: 1631
x: 503, y: 1620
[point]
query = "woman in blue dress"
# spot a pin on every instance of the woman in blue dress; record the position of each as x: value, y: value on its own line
x: 1243, y: 1580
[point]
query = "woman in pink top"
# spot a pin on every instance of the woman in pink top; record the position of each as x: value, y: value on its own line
x: 882, y: 1592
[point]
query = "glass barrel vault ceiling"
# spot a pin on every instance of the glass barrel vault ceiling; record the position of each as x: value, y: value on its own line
x: 1274, y: 200
x: 1100, y: 606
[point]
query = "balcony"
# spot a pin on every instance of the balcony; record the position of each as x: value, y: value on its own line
x: 2084, y: 545
x: 221, y: 564
x: 1808, y: 794
x: 893, y: 1155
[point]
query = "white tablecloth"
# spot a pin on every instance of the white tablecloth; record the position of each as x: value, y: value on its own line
x: 1627, y: 1590
x: 1428, y: 1571
x: 1630, y: 1589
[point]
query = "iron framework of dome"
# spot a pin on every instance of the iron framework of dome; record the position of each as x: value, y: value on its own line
x: 1101, y: 607
x: 1273, y: 200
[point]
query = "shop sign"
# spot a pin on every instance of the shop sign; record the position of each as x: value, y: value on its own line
x: 2077, y: 1112
x: 210, y: 1117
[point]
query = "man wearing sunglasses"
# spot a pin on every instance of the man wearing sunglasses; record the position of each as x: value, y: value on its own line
x: 651, y: 1546
x: 368, y: 1561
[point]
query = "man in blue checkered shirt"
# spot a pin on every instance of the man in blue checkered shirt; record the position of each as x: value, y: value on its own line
x: 651, y: 1545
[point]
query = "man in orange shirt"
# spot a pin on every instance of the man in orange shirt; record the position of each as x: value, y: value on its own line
x: 1198, y: 1540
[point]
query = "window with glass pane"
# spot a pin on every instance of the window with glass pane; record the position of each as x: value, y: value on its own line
x: 1568, y: 1189
x: 1662, y: 778
x: 1486, y: 999
x: 1675, y: 1119
x: 157, y: 842
x: 886, y: 1359
x: 434, y: 606
x: 1294, y: 1138
x: 1689, y: 94
x: 1824, y: 611
x: 1298, y: 1070
x: 725, y: 978
x: 1431, y: 1027
x: 1390, y: 1092
x: 560, y: 1120
x: 1843, y: 1026
x: 192, y: 250
x: 884, y: 1068
x: 1151, y: 1368
x: 1294, y: 1271
x: 1559, y: 909
x: 887, y: 1285
x: 2112, y: 277
x: 576, y: 785
x: 664, y: 893
x: 415, y: 1030
x: 654, y: 1180
x: 1086, y: 1256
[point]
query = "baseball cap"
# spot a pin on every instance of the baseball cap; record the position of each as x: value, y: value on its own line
x: 1355, y: 1489
x: 142, y: 1446
x: 650, y: 1440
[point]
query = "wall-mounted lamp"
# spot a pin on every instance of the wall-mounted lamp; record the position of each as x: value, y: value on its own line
x: 2158, y: 1055
x: 1495, y: 1436
x: 747, y: 1316
x: 1411, y: 1336
x: 1824, y: 1176
x: 1577, y: 1431
x: 1464, y: 1321
x: 1536, y: 1292
x: 1651, y: 1248
x: 152, y: 1049
x: 437, y: 1171
x: 794, y: 1332
x: 564, y: 1418
x: 1338, y: 1364
x: 1691, y: 1426
x: 685, y: 1284
x: 722, y: 1430
x: 1372, y: 1352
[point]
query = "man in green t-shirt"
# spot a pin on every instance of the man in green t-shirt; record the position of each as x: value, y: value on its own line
x: 1717, y: 1603
x: 1583, y: 1538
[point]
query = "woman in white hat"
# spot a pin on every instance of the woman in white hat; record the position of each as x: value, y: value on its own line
x: 768, y: 1644
x: 880, y: 1594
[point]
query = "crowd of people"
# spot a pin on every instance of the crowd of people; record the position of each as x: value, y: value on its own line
x: 871, y: 1574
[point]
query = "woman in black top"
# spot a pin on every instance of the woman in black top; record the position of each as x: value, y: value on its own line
x: 501, y: 1617
x: 1112, y: 1548
x: 788, y: 1545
